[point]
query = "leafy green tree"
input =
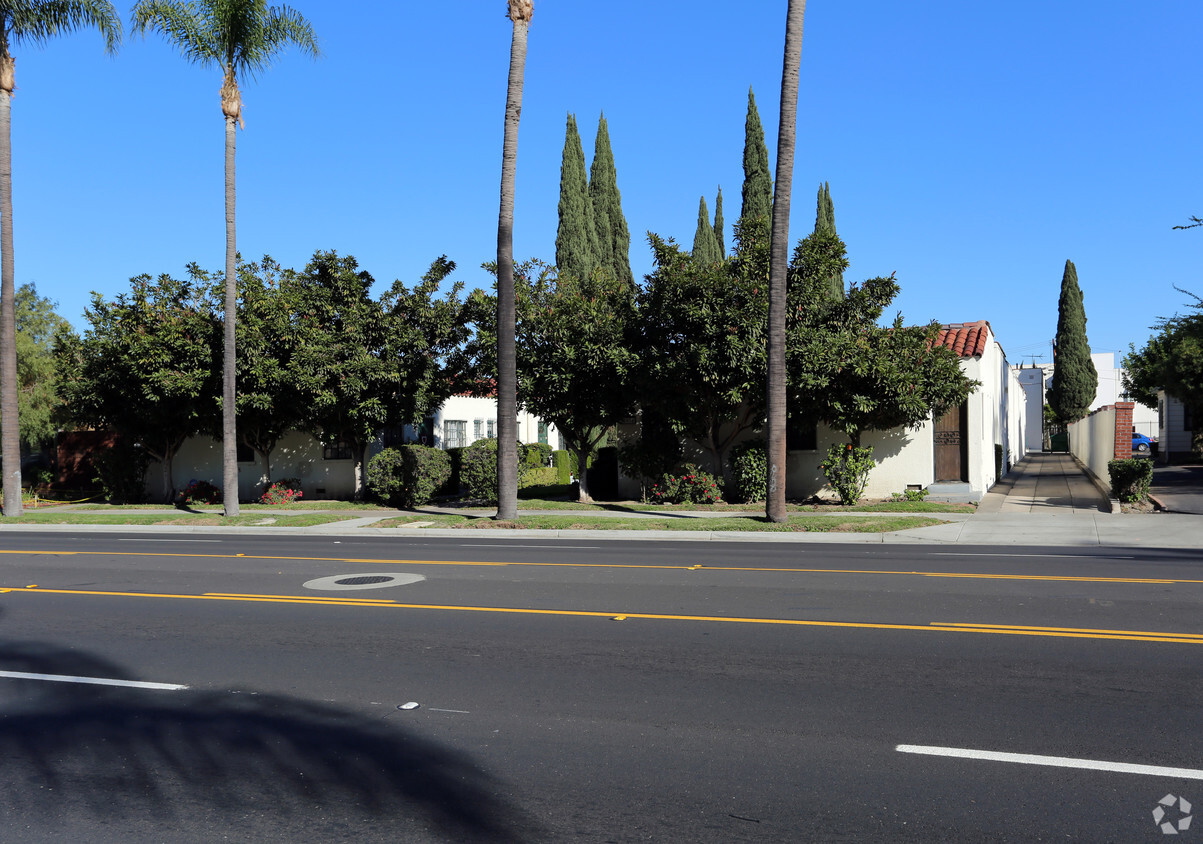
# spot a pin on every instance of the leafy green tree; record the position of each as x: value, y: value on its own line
x: 576, y: 356
x: 577, y: 251
x: 37, y: 325
x: 779, y: 264
x: 758, y: 185
x: 1075, y: 380
x: 613, y: 237
x: 146, y: 365
x: 848, y: 371
x: 703, y: 339
x: 1171, y: 360
x: 705, y: 245
x: 363, y: 364
x: 269, y: 402
x: 240, y: 37
x: 27, y: 22
x: 520, y: 13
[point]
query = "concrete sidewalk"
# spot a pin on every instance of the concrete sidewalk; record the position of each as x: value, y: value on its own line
x: 1045, y: 483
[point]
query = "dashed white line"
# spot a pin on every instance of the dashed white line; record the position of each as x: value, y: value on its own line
x: 1053, y: 761
x: 91, y: 681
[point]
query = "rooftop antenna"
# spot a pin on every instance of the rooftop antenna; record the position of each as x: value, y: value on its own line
x: 1033, y: 357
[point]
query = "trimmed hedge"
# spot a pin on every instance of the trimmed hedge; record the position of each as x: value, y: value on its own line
x: 537, y: 455
x: 564, y: 466
x: 1130, y: 479
x: 541, y: 476
x: 408, y: 476
x: 478, y: 469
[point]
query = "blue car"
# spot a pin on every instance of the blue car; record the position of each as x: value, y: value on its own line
x: 1141, y: 444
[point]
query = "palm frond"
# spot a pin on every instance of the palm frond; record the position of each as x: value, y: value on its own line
x: 240, y: 36
x: 180, y: 23
x: 36, y: 21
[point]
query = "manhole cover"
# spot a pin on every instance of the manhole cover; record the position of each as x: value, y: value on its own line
x: 342, y: 582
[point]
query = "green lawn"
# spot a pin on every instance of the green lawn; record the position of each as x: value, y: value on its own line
x: 796, y: 524
x: 182, y: 517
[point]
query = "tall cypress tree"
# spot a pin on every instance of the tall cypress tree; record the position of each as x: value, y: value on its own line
x: 576, y: 237
x: 758, y: 184
x: 613, y: 237
x: 705, y: 245
x: 825, y: 224
x: 718, y: 224
x: 1075, y: 380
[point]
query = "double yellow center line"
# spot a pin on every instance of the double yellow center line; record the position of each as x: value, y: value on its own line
x: 933, y: 627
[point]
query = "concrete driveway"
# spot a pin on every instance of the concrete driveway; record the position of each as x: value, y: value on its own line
x: 1050, y: 483
x: 1179, y: 489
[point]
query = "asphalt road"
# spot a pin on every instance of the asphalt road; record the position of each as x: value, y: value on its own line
x: 613, y: 691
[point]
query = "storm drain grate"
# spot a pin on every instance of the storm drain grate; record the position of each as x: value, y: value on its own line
x: 360, y: 581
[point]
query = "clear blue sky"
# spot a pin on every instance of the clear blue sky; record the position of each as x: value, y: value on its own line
x: 971, y: 148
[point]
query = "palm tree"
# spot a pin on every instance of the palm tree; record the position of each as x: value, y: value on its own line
x: 520, y: 12
x: 24, y: 22
x: 779, y: 255
x: 240, y: 37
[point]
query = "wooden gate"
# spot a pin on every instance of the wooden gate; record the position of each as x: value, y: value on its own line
x: 952, y: 445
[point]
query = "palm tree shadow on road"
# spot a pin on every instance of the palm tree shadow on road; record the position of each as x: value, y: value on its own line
x: 115, y: 754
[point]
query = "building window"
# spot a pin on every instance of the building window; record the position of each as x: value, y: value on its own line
x: 340, y: 450
x: 245, y: 454
x: 543, y: 433
x: 491, y: 430
x: 478, y: 429
x: 801, y: 435
x: 455, y: 433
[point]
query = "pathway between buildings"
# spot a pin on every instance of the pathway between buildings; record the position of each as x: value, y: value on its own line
x: 1045, y: 483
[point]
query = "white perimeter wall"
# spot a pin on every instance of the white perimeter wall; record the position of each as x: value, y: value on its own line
x: 1092, y: 441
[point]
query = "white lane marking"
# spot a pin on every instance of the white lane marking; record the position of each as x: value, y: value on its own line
x: 169, y: 540
x: 1035, y: 556
x: 508, y: 545
x: 456, y: 711
x: 1054, y: 761
x: 93, y: 681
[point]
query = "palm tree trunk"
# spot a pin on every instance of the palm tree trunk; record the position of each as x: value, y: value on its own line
x: 229, y: 441
x: 520, y: 12
x: 10, y: 435
x: 779, y: 257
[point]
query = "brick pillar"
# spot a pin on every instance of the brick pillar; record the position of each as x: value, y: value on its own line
x: 1123, y: 430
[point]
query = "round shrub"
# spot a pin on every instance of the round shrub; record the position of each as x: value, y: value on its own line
x: 478, y: 469
x: 749, y: 473
x: 408, y: 476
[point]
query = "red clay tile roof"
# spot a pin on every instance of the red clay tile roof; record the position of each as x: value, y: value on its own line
x: 967, y: 339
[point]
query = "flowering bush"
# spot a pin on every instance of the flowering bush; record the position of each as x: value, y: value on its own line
x: 283, y: 491
x: 198, y: 492
x: 692, y: 486
x: 847, y: 469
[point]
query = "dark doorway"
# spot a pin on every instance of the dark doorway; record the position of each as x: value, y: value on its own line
x: 952, y: 445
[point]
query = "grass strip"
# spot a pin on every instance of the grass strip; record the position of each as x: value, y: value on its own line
x: 796, y: 524
x: 181, y: 518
